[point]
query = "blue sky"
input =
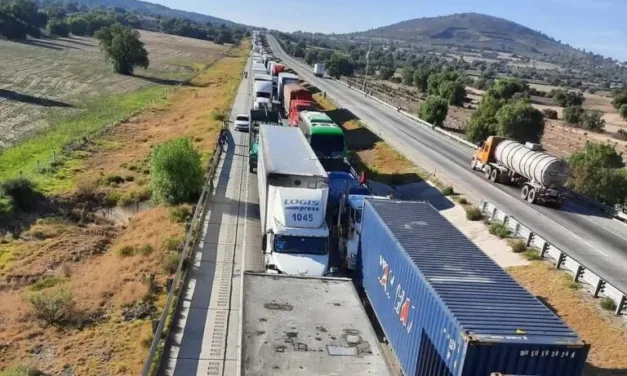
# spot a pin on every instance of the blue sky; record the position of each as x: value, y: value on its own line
x: 596, y: 25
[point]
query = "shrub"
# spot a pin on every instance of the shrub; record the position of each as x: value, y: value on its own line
x: 499, y: 230
x: 608, y: 304
x: 218, y: 115
x: 532, y: 254
x: 448, y: 191
x: 574, y: 285
x: 462, y: 201
x: 171, y: 262
x: 21, y: 370
x: 146, y: 250
x: 623, y: 111
x: 129, y: 177
x: 176, y: 172
x: 20, y: 191
x: 126, y: 251
x: 473, y: 214
x: 7, y: 206
x: 434, y: 110
x: 173, y: 244
x: 518, y: 246
x: 549, y: 113
x: 134, y: 196
x: 54, y: 307
x: 47, y: 282
x: 180, y: 214
x: 573, y: 114
x: 113, y: 179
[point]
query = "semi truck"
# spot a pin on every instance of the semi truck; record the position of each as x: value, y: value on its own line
x: 293, y: 195
x: 258, y: 117
x: 541, y: 176
x: 296, y: 107
x: 283, y: 80
x: 262, y: 89
x: 324, y: 136
x: 293, y: 92
x: 318, y: 70
x: 446, y: 308
x: 304, y: 326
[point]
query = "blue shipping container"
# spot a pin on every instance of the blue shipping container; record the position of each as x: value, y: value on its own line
x: 447, y: 308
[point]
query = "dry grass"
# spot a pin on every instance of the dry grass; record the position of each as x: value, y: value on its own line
x: 603, y: 331
x: 380, y: 161
x: 63, y: 73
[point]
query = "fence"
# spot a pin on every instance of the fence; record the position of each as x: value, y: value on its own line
x: 560, y: 258
x: 162, y: 330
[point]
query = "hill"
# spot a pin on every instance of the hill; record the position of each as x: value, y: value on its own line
x: 471, y: 30
x: 147, y: 8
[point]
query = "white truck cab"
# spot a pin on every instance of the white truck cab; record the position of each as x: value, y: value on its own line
x: 297, y: 240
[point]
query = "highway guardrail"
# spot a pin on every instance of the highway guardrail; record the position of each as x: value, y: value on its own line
x: 561, y: 259
x: 162, y: 331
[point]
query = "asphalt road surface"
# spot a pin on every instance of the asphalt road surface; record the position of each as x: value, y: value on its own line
x: 593, y: 239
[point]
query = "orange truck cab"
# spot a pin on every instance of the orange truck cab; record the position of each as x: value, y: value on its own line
x: 485, y: 153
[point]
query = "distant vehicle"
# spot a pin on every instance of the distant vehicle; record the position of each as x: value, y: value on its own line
x: 293, y: 193
x: 324, y: 136
x: 318, y: 70
x: 258, y: 117
x: 306, y: 326
x: 292, y: 92
x: 540, y: 175
x: 285, y: 78
x: 242, y: 123
x: 296, y: 107
x: 262, y: 91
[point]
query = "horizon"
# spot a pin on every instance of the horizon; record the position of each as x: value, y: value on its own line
x: 593, y: 25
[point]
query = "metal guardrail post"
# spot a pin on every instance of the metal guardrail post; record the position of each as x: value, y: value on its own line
x: 579, y: 273
x: 529, y: 238
x: 493, y: 213
x: 620, y: 305
x: 545, y: 249
x: 516, y: 229
x: 599, y: 288
x: 560, y: 260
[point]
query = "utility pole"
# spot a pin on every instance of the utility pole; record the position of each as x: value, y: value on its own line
x: 367, y: 64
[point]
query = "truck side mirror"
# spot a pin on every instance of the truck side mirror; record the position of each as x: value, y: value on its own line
x: 264, y: 241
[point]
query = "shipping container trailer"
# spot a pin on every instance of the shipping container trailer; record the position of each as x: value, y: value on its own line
x: 292, y: 92
x: 304, y: 326
x: 446, y: 308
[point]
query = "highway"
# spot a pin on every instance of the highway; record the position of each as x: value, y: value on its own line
x: 594, y: 240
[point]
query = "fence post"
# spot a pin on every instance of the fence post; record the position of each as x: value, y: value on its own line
x: 505, y: 219
x: 579, y: 273
x: 493, y: 213
x: 600, y: 288
x: 619, y: 306
x: 516, y: 229
x: 484, y: 204
x: 529, y: 238
x: 560, y: 260
x: 545, y: 249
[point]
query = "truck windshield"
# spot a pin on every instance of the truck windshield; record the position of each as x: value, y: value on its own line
x: 300, y: 245
x: 262, y: 94
x: 328, y: 146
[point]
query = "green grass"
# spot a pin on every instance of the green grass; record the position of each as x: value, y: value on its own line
x: 47, y: 282
x: 95, y: 116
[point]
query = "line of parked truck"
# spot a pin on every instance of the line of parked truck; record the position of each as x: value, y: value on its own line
x: 444, y: 307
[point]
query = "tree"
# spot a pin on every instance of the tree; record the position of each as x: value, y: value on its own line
x: 385, y: 73
x: 506, y: 88
x: 58, y: 28
x: 597, y: 171
x: 454, y: 92
x: 311, y: 57
x: 521, y: 122
x: 123, y: 48
x: 566, y: 98
x: 619, y: 99
x: 421, y: 78
x: 176, y: 173
x: 593, y: 121
x: 299, y: 51
x: 623, y: 111
x: 573, y: 114
x: 407, y: 75
x: 483, y: 122
x: 339, y: 65
x: 434, y: 110
x: 549, y: 113
x: 224, y: 36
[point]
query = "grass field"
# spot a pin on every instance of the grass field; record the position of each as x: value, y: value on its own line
x: 41, y: 81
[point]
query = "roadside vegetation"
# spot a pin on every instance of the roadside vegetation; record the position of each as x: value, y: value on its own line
x: 87, y: 246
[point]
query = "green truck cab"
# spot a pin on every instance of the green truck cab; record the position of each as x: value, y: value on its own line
x: 258, y: 117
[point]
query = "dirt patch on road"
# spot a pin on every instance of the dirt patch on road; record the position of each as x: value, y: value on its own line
x: 606, y: 333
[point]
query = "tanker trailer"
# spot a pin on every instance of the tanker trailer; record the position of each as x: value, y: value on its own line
x: 540, y: 175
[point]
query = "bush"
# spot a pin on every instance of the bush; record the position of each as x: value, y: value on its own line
x: 146, y: 250
x: 518, y: 246
x: 7, y: 206
x: 532, y: 254
x: 623, y: 111
x: 473, y: 214
x: 549, y: 113
x: 180, y: 214
x: 20, y: 192
x: 126, y: 251
x: 593, y: 121
x: 608, y: 304
x: 129, y: 177
x: 113, y: 179
x: 574, y: 285
x: 499, y: 230
x: 171, y: 262
x: 218, y: 115
x: 54, y: 307
x: 174, y: 243
x: 448, y: 191
x: 434, y: 110
x: 573, y: 114
x: 47, y: 282
x: 462, y: 201
x: 58, y: 28
x: 134, y: 196
x: 176, y: 172
x: 21, y: 370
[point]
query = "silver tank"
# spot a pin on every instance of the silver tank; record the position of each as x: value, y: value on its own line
x: 541, y: 167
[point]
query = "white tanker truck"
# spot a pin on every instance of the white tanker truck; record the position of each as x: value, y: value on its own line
x: 540, y: 175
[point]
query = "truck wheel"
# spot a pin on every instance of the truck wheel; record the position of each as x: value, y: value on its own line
x: 494, y: 175
x: 487, y: 171
x: 525, y: 192
x: 531, y: 197
x: 251, y: 169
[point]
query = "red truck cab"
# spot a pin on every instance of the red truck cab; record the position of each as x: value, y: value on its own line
x: 298, y: 105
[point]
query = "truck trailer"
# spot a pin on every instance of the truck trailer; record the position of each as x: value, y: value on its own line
x: 304, y: 326
x: 540, y: 175
x: 293, y: 195
x: 446, y: 308
x: 258, y: 117
x: 318, y: 70
x: 285, y: 79
x: 293, y: 92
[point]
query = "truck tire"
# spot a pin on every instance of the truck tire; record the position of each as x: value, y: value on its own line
x: 251, y: 169
x: 487, y: 171
x: 525, y: 192
x: 531, y: 197
x: 494, y: 175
